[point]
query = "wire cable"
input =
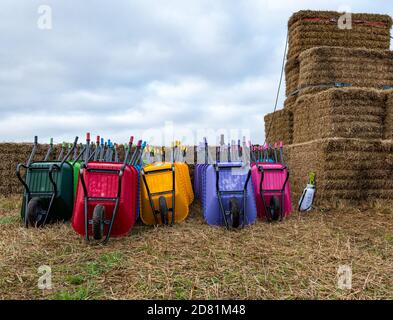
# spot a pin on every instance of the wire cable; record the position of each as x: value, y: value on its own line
x: 279, y: 88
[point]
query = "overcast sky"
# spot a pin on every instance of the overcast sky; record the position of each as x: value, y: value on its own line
x: 126, y: 67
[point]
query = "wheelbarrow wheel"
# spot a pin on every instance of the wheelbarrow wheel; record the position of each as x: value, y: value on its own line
x: 36, y: 212
x: 98, y: 222
x: 274, y: 208
x: 163, y: 210
x: 235, y: 213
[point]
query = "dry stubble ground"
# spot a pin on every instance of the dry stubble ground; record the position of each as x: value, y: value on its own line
x: 296, y: 259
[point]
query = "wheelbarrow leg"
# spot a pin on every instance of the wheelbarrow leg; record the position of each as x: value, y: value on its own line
x: 86, y: 220
x: 115, y: 209
x: 222, y: 209
x: 27, y: 199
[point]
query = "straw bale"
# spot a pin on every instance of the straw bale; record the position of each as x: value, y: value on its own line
x: 347, y: 169
x: 280, y: 124
x: 307, y: 29
x: 347, y: 113
x: 12, y: 154
x: 358, y: 67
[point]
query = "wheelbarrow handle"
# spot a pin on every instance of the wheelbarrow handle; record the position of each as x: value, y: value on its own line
x: 19, y: 176
x: 261, y: 168
x: 33, y: 152
x: 82, y: 179
x: 230, y: 166
x: 70, y: 151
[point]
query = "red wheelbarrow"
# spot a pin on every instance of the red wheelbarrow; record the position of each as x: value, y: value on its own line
x: 106, y: 199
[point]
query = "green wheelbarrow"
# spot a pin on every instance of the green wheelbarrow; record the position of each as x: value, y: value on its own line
x: 48, y: 188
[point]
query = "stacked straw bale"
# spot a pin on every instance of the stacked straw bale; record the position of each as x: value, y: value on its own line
x: 343, y: 133
x: 310, y: 29
x: 278, y: 126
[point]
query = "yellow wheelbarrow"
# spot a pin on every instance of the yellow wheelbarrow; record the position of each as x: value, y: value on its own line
x: 164, y: 197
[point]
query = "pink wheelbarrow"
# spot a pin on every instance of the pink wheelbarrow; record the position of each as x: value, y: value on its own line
x: 272, y: 189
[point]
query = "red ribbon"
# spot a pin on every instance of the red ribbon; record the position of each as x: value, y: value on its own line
x: 364, y: 22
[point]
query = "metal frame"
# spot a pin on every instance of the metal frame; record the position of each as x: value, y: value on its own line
x: 281, y: 191
x: 151, y: 195
x: 220, y: 193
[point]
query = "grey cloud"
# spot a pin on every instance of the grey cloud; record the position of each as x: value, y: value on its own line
x: 123, y: 67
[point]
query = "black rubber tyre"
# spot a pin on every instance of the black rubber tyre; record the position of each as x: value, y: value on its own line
x: 235, y: 212
x: 98, y: 222
x: 163, y: 210
x: 36, y: 212
x: 275, y: 208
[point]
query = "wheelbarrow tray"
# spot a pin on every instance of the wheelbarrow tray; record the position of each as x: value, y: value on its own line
x: 102, y: 188
x: 230, y: 179
x: 274, y: 179
x: 185, y: 178
x: 162, y: 181
x: 37, y: 180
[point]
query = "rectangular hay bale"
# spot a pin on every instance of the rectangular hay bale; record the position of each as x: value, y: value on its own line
x: 278, y: 126
x: 11, y: 154
x: 308, y: 29
x: 346, y: 169
x: 326, y: 66
x: 344, y: 113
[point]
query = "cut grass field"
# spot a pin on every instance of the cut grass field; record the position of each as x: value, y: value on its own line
x: 296, y: 259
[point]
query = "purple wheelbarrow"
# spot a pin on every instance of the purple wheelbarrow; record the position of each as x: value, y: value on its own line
x: 227, y: 196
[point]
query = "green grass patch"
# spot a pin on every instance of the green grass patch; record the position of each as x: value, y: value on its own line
x: 75, y: 280
x: 9, y: 219
x: 182, y: 287
x: 106, y: 261
x: 112, y: 259
x: 9, y: 204
x: 79, y: 293
x: 93, y: 269
x: 389, y: 238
